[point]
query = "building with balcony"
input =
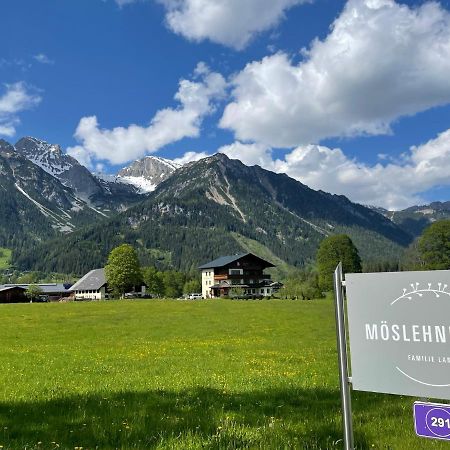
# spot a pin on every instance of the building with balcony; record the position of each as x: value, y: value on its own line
x: 237, y: 275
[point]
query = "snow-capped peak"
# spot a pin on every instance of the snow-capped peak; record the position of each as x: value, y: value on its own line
x: 47, y: 156
x: 147, y: 173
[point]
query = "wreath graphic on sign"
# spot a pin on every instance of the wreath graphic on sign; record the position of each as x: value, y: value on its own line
x: 408, y: 294
x: 416, y: 291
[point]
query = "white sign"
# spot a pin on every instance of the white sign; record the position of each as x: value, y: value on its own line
x: 399, y: 326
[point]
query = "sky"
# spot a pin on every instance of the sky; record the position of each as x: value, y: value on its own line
x: 351, y: 97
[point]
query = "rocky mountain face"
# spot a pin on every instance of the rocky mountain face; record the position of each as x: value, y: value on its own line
x: 34, y: 205
x: 220, y: 206
x: 416, y: 218
x: 102, y: 194
x: 148, y: 172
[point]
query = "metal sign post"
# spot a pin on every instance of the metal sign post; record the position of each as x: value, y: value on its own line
x: 342, y: 359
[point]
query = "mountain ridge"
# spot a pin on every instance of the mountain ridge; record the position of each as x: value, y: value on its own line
x: 197, y: 213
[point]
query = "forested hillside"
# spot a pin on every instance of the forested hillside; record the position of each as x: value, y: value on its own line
x: 204, y: 208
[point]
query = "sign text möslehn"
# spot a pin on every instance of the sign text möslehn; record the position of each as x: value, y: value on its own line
x: 407, y: 333
x: 399, y: 326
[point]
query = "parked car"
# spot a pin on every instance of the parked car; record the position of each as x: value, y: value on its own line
x: 195, y: 296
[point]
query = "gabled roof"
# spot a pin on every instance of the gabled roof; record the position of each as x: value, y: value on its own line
x: 7, y: 288
x: 46, y: 288
x: 92, y: 281
x: 222, y: 261
x: 225, y: 260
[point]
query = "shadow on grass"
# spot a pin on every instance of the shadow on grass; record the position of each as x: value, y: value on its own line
x: 196, y: 418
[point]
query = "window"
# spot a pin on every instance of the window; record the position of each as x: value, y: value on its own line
x: 235, y: 272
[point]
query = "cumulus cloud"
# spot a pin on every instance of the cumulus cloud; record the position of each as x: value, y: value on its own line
x: 249, y: 154
x: 197, y: 98
x: 43, y: 59
x: 190, y: 157
x: 394, y: 185
x: 16, y: 98
x: 381, y: 60
x: 229, y: 22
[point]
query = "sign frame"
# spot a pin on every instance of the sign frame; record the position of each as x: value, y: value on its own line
x: 345, y: 377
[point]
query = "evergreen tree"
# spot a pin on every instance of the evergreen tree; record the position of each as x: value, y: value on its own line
x: 332, y: 250
x: 434, y: 246
x: 123, y: 271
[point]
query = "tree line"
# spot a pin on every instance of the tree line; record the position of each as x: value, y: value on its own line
x: 430, y: 251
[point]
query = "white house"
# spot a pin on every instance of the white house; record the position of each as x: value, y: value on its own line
x: 91, y: 287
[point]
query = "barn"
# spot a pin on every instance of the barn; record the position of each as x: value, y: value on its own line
x: 12, y: 294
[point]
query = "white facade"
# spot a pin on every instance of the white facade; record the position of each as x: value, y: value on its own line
x: 99, y: 294
x: 207, y: 282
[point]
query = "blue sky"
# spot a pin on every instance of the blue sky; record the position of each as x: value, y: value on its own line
x: 334, y: 93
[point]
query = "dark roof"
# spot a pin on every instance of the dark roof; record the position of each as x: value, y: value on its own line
x: 46, y: 288
x: 92, y: 281
x: 225, y: 260
x: 9, y: 287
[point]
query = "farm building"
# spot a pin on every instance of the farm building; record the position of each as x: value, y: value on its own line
x: 93, y: 286
x: 244, y: 272
x: 12, y: 294
x: 49, y: 291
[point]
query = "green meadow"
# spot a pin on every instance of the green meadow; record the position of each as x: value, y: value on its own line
x: 216, y: 374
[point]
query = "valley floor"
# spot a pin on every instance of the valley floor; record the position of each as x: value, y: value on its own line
x: 183, y: 375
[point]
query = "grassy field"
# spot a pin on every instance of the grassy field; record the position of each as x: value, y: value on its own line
x: 183, y: 375
x: 5, y: 258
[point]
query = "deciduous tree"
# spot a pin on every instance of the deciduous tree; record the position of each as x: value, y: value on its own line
x: 332, y: 250
x: 434, y: 246
x: 192, y: 287
x: 33, y: 292
x: 123, y: 270
x: 154, y: 281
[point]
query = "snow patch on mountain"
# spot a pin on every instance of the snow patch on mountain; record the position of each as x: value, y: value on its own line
x: 147, y: 173
x: 143, y: 184
x: 59, y: 223
x: 48, y: 157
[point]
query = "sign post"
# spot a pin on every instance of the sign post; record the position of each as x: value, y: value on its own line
x: 343, y: 359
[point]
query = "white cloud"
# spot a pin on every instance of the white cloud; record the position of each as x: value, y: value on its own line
x: 16, y: 98
x: 394, y: 185
x: 196, y: 100
x: 381, y: 60
x: 229, y: 22
x: 43, y: 59
x: 249, y: 154
x: 190, y: 157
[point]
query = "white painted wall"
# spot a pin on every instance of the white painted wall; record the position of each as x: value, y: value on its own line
x: 207, y: 282
x: 91, y: 295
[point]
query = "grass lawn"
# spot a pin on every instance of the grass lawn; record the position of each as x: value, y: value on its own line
x: 183, y: 375
x: 5, y: 258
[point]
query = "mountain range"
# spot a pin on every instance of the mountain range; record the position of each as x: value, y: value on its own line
x: 58, y: 216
